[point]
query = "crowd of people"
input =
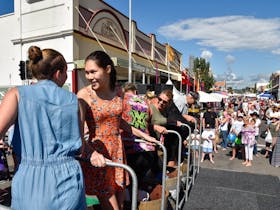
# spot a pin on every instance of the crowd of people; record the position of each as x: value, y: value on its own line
x: 238, y: 125
x: 50, y: 124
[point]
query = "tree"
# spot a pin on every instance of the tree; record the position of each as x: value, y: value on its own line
x: 203, y: 74
x: 230, y: 90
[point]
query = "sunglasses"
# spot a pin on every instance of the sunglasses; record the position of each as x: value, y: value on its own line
x: 161, y: 100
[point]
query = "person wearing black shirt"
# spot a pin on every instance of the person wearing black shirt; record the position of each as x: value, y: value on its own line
x: 210, y: 118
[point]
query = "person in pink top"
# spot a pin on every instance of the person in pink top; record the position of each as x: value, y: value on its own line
x: 248, y: 139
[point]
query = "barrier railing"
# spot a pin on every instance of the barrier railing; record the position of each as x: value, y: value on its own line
x: 164, y: 163
x: 131, y: 172
x: 179, y: 166
x: 195, y: 169
x: 134, y: 181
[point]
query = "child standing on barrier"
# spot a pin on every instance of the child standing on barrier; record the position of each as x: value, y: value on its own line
x: 208, y: 136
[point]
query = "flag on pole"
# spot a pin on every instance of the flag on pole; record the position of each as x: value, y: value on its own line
x: 202, y: 86
x: 269, y: 85
x: 198, y: 85
x: 170, y: 53
x: 184, y: 78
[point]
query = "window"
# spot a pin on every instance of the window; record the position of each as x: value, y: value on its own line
x: 6, y: 7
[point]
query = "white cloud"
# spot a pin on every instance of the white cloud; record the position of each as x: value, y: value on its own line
x: 239, y: 81
x: 276, y: 51
x: 228, y: 33
x: 230, y: 59
x: 206, y: 54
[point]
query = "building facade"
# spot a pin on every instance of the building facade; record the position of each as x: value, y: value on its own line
x: 76, y: 28
x: 274, y: 85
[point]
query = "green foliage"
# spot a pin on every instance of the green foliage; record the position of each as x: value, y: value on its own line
x: 202, y: 71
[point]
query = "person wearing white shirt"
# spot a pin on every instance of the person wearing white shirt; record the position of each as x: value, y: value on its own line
x: 208, y: 136
x: 258, y: 122
x: 236, y: 129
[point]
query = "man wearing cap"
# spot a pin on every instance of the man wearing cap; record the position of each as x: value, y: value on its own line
x: 183, y: 103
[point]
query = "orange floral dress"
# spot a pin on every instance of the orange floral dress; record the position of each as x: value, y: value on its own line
x: 103, y: 120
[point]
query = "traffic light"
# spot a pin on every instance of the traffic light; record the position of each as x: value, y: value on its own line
x: 28, y: 71
x: 22, y: 70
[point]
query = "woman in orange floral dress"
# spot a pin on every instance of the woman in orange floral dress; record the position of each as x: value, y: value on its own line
x: 102, y: 110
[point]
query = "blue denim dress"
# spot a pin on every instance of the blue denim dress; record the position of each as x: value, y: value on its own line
x: 46, y: 138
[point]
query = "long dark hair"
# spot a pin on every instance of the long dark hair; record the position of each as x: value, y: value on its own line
x: 102, y: 60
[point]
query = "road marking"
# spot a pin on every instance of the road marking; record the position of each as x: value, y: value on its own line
x: 245, y: 191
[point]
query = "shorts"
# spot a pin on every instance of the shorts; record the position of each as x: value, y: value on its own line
x: 195, y: 147
x: 207, y: 150
x: 268, y: 144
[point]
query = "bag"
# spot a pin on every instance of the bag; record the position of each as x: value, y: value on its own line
x: 218, y: 138
x: 263, y: 134
x: 268, y: 137
x: 231, y: 137
x: 238, y: 141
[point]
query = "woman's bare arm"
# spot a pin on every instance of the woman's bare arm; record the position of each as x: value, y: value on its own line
x: 8, y: 111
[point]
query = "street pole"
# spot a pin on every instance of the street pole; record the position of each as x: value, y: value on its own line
x: 129, y: 45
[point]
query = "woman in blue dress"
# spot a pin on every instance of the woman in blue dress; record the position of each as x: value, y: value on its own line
x: 46, y: 137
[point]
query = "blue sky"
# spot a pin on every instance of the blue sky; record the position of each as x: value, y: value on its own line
x: 240, y: 38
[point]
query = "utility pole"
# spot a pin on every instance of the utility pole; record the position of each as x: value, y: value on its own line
x: 129, y: 44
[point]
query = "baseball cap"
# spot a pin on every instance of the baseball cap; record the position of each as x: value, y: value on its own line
x: 194, y: 95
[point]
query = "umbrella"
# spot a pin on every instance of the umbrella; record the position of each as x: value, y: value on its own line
x: 265, y: 95
x: 206, y: 97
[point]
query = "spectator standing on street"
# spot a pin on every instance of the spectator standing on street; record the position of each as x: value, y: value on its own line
x: 211, y: 118
x: 275, y: 159
x: 224, y: 122
x: 248, y: 139
x: 46, y: 137
x: 236, y: 129
x: 258, y: 122
x: 272, y: 128
x: 208, y: 136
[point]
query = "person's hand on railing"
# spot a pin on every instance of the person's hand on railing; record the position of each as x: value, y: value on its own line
x: 149, y: 138
x: 97, y: 159
x: 160, y: 129
x: 179, y: 123
x: 189, y: 118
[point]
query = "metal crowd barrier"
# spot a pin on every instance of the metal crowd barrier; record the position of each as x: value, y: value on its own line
x: 111, y: 164
x: 179, y: 166
x: 134, y: 181
x: 131, y: 172
x: 195, y: 169
x: 163, y: 170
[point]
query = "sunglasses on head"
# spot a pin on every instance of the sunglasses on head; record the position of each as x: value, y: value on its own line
x: 161, y: 100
